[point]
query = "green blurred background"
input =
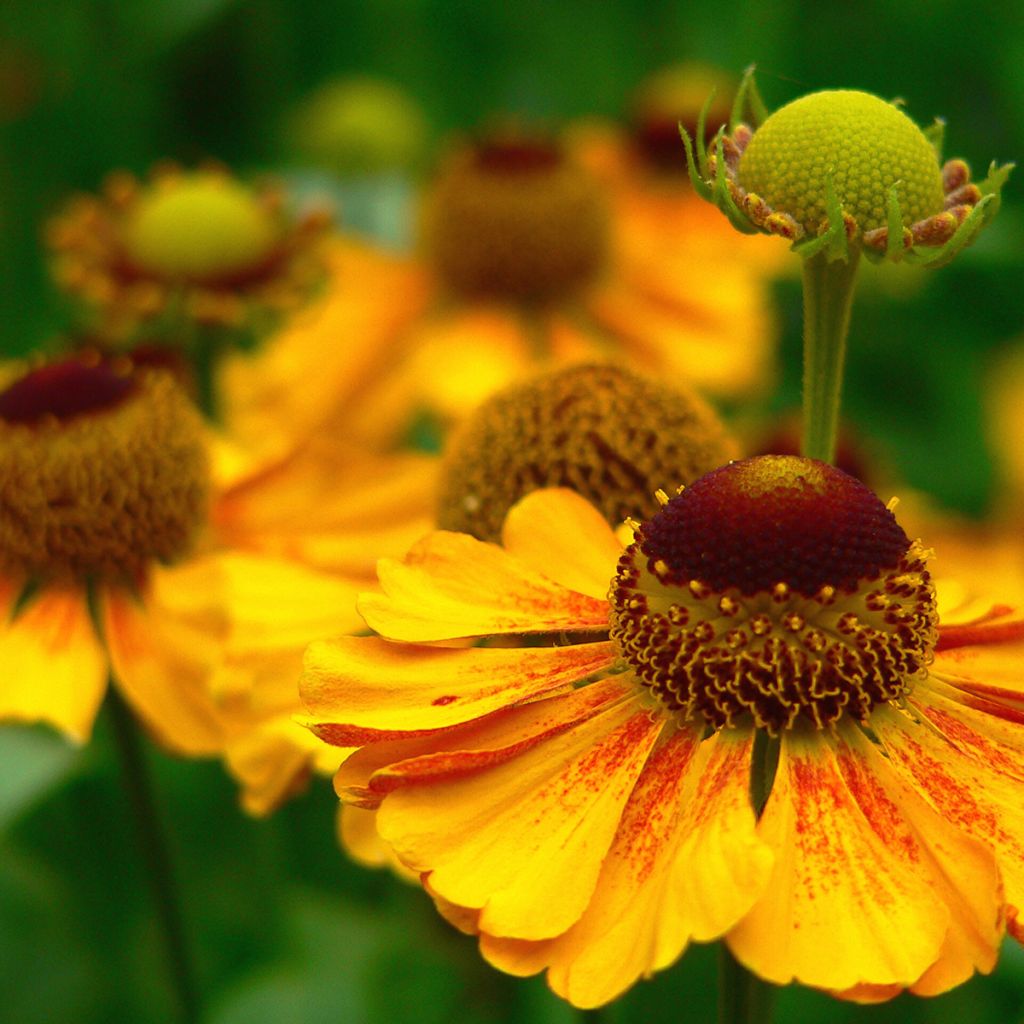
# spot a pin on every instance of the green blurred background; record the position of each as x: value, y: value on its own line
x: 284, y: 928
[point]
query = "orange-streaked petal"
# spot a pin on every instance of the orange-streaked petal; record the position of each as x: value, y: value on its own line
x: 686, y: 863
x: 451, y: 586
x: 372, y: 772
x: 557, y: 532
x: 524, y: 840
x: 990, y: 669
x: 361, y: 688
x: 164, y: 650
x: 960, y: 770
x: 54, y: 669
x: 871, y: 885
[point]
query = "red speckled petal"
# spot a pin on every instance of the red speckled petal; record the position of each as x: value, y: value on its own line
x: 523, y: 841
x: 452, y: 586
x: 359, y: 689
x: 686, y: 864
x: 871, y: 885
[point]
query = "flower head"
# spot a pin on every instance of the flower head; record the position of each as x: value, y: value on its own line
x: 105, y: 478
x: 586, y: 807
x: 511, y: 216
x: 838, y: 169
x: 598, y: 429
x: 104, y: 470
x: 193, y: 244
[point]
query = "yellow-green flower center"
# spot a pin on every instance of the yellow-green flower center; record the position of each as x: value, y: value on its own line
x: 863, y: 143
x: 600, y: 430
x: 514, y: 219
x: 776, y: 587
x: 199, y: 227
x: 102, y: 471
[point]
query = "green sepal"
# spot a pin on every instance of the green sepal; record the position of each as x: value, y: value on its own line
x: 995, y: 180
x: 747, y: 98
x: 832, y: 240
x: 964, y: 235
x: 700, y: 186
x: 935, y: 133
x: 894, y: 222
x: 723, y: 197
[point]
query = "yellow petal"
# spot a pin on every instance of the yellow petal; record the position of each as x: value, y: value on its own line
x: 164, y: 650
x: 357, y: 833
x: 359, y: 687
x: 332, y: 353
x: 686, y: 863
x: 297, y: 510
x: 987, y: 664
x: 428, y: 755
x: 523, y: 841
x: 54, y: 669
x: 450, y: 585
x: 870, y: 883
x: 963, y: 772
x: 561, y: 535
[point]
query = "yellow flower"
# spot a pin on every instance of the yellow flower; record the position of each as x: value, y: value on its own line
x: 184, y: 250
x: 584, y: 803
x: 522, y: 269
x: 104, y: 479
x: 140, y: 548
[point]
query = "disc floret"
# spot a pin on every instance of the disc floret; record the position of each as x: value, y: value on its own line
x: 778, y: 588
x: 839, y: 170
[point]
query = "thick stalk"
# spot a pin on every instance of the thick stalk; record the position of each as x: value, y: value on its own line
x: 828, y: 296
x: 153, y: 847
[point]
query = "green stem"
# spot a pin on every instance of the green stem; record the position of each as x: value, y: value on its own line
x: 135, y: 773
x: 828, y: 296
x: 743, y: 998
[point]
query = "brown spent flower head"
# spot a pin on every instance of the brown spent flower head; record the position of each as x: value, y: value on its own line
x: 776, y: 587
x: 600, y: 429
x: 103, y: 470
x: 193, y: 244
x: 841, y: 168
x: 512, y: 217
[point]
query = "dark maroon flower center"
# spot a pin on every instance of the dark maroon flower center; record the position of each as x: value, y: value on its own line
x: 65, y: 390
x: 773, y: 519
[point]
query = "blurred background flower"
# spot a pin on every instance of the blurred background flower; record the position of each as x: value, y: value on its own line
x: 353, y: 104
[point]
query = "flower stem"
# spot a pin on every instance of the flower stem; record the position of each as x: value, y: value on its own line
x: 743, y: 998
x: 153, y: 845
x: 828, y: 296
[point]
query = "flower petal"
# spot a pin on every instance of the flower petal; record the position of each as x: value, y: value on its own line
x: 870, y: 883
x: 686, y: 863
x: 452, y: 586
x: 960, y: 771
x: 417, y: 757
x: 164, y: 650
x: 359, y: 688
x: 296, y: 509
x: 357, y: 833
x: 54, y: 669
x: 523, y: 841
x: 558, y: 533
x: 987, y: 666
